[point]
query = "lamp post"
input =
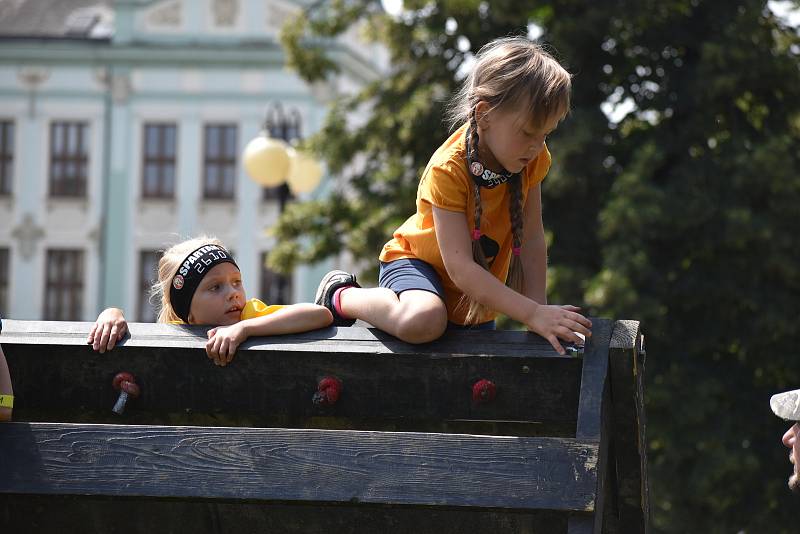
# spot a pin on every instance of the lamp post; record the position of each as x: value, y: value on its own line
x: 271, y: 161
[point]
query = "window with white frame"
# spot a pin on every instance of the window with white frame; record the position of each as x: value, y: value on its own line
x: 63, y: 295
x: 158, y: 160
x: 219, y: 161
x: 69, y: 159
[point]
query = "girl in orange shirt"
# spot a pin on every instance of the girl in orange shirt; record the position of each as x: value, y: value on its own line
x: 478, y: 221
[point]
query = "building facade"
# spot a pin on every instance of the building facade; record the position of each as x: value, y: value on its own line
x: 121, y: 131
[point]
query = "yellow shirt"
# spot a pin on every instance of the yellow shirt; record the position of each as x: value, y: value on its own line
x: 447, y: 184
x: 253, y: 308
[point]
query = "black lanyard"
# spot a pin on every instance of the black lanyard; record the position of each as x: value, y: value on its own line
x: 482, y: 176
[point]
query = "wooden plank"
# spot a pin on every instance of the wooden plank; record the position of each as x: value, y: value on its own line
x: 593, y: 418
x: 374, y: 341
x: 626, y: 373
x: 271, y: 384
x: 604, y: 463
x: 593, y: 380
x: 79, y: 515
x: 610, y: 503
x: 311, y: 466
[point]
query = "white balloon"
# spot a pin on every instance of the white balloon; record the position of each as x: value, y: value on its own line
x: 304, y: 172
x: 266, y: 160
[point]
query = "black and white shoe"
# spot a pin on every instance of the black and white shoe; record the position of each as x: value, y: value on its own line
x: 328, y: 286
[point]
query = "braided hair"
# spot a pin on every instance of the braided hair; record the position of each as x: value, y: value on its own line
x: 516, y: 277
x: 510, y: 71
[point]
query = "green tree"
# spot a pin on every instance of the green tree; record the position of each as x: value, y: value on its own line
x: 681, y: 214
x: 427, y: 46
x: 696, y: 239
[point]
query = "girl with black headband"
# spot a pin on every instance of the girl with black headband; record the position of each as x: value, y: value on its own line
x: 478, y: 221
x: 200, y: 283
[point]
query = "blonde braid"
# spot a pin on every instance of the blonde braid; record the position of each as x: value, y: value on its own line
x: 473, y: 135
x: 475, y: 309
x: 516, y: 277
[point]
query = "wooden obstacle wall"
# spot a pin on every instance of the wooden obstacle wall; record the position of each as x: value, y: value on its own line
x: 560, y: 448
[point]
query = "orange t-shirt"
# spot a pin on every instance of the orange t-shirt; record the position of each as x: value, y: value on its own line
x: 447, y: 184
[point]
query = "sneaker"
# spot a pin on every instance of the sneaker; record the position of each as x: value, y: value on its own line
x: 328, y: 286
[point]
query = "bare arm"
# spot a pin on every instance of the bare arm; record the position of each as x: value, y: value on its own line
x: 534, y: 249
x: 551, y: 322
x: 478, y: 283
x: 292, y: 319
x: 5, y: 386
x: 224, y: 340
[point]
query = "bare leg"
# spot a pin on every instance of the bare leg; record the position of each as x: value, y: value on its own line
x: 415, y: 316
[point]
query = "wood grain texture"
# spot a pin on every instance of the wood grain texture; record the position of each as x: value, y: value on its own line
x: 592, y: 418
x: 625, y: 334
x: 312, y: 466
x: 593, y: 381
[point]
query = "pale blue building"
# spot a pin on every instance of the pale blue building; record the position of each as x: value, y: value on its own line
x: 121, y: 131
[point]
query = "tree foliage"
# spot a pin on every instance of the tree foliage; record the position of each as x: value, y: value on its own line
x: 681, y: 214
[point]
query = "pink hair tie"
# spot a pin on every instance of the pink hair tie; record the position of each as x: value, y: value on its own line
x: 516, y: 250
x: 476, y: 234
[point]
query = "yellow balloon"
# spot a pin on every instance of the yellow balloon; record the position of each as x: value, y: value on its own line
x: 266, y: 161
x: 304, y: 172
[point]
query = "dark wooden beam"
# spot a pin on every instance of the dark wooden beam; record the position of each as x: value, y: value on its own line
x: 561, y: 447
x: 272, y: 380
x: 627, y: 360
x: 82, y: 514
x: 593, y: 419
x: 310, y: 466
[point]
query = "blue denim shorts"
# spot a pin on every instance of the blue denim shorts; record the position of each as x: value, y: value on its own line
x: 412, y: 273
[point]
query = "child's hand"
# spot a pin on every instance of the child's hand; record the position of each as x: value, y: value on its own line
x: 109, y: 328
x: 223, y: 342
x: 554, y: 322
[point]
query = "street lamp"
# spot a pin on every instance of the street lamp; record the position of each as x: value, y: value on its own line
x: 271, y: 161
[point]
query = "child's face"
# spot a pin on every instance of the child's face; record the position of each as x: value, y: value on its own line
x: 512, y: 137
x: 219, y: 297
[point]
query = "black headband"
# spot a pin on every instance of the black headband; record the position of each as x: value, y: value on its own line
x: 191, y: 272
x: 482, y: 176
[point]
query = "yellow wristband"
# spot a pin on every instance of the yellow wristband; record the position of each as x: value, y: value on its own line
x: 6, y: 401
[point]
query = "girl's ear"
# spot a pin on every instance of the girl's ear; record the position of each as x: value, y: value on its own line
x: 191, y: 319
x: 482, y: 114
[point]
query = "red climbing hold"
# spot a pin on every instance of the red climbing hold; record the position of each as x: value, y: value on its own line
x: 483, y: 391
x: 328, y: 391
x: 125, y: 383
